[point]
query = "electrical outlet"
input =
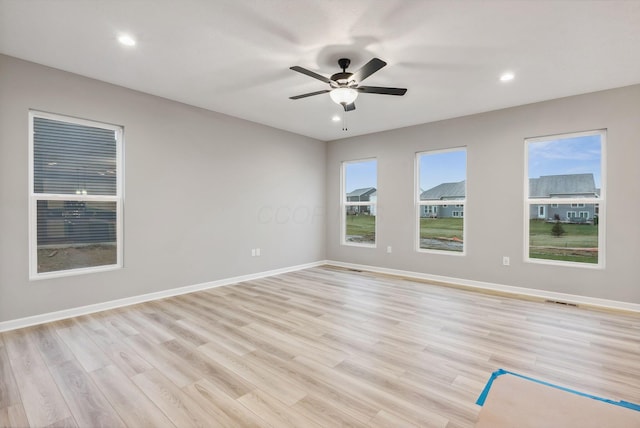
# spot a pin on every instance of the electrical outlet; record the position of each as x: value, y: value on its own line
x: 258, y: 252
x: 253, y: 252
x: 505, y: 261
x: 389, y: 249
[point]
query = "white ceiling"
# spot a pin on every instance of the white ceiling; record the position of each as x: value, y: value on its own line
x: 233, y: 56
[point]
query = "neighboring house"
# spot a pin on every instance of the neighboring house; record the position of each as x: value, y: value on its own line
x: 564, y: 186
x: 444, y: 192
x: 361, y: 195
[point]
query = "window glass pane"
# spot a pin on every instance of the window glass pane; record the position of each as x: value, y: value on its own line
x: 559, y: 170
x: 73, y: 234
x: 359, y: 220
x: 360, y: 224
x: 360, y: 180
x: 565, y: 234
x: 441, y: 233
x: 443, y: 175
x: 69, y: 158
x: 565, y: 167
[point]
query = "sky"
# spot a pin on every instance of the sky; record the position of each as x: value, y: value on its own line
x: 442, y: 167
x: 577, y: 155
x: 359, y: 175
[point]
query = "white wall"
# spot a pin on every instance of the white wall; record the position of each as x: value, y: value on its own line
x: 494, y: 211
x: 201, y: 190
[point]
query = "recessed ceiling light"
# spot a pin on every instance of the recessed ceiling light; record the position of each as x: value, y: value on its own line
x: 336, y: 118
x: 126, y: 40
x: 505, y: 77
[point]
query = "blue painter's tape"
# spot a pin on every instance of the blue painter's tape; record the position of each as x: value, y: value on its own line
x: 500, y: 372
x: 483, y: 395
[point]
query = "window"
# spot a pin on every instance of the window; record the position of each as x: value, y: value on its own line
x: 542, y: 211
x: 75, y: 202
x: 440, y: 199
x: 359, y: 202
x: 565, y: 172
x: 429, y: 211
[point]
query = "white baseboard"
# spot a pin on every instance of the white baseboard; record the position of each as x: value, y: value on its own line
x: 508, y: 289
x: 89, y: 309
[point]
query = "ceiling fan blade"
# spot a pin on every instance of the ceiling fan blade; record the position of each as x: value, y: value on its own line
x: 368, y: 69
x: 381, y: 90
x: 350, y: 107
x: 310, y: 94
x: 310, y: 74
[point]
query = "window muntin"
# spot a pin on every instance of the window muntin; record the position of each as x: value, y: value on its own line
x: 565, y: 174
x: 440, y: 200
x: 75, y: 196
x: 359, y: 199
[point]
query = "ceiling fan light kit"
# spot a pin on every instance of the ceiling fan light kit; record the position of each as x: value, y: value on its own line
x: 345, y: 85
x: 343, y: 96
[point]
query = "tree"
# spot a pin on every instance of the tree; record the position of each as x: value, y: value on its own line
x: 557, y: 230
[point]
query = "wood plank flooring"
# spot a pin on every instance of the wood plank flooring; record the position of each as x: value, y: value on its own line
x: 322, y: 347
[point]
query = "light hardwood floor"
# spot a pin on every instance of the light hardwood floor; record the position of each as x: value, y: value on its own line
x: 323, y: 347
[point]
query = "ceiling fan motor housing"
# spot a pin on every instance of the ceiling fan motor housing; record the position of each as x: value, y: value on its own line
x: 342, y: 79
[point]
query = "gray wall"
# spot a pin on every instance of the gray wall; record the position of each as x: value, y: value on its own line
x: 495, y: 209
x: 201, y: 190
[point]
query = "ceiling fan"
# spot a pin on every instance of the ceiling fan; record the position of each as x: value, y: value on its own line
x: 345, y: 86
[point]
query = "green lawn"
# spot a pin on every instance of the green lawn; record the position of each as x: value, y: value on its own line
x: 361, y: 228
x: 441, y: 228
x: 578, y: 244
x: 443, y: 234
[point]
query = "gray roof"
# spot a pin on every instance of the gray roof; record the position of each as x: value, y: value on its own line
x: 444, y: 191
x: 365, y: 191
x: 562, y: 185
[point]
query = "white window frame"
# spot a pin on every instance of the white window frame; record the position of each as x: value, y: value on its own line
x: 599, y: 201
x: 344, y: 204
x: 462, y: 203
x: 35, y: 197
